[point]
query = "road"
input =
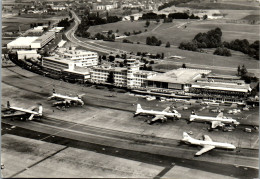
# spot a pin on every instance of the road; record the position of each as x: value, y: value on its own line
x: 70, y: 34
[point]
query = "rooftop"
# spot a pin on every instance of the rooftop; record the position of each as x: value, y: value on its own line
x: 108, y: 68
x: 225, y: 87
x: 44, y: 36
x: 22, y: 41
x: 79, y: 70
x: 20, y: 52
x: 181, y: 75
x: 58, y: 59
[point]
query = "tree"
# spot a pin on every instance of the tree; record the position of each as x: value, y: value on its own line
x: 104, y: 57
x: 113, y: 37
x: 49, y: 23
x: 243, y: 71
x: 205, y: 17
x: 238, y: 70
x: 110, y: 77
x: 162, y: 56
x: 157, y: 20
x: 183, y: 65
x: 111, y: 58
x: 168, y: 45
x: 222, y: 51
x: 147, y: 23
x: 99, y: 59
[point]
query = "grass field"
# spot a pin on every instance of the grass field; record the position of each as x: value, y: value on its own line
x: 177, y: 35
x: 12, y: 23
x: 123, y: 26
x: 190, y: 57
x: 224, y: 5
x: 238, y: 14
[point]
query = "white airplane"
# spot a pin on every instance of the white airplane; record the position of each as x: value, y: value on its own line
x: 66, y: 99
x: 159, y: 115
x: 220, y: 120
x: 207, y: 143
x: 17, y: 111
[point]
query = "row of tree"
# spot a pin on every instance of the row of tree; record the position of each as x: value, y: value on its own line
x: 245, y: 47
x: 91, y: 20
x: 211, y: 39
x: 177, y: 15
x: 182, y: 15
x: 172, y: 3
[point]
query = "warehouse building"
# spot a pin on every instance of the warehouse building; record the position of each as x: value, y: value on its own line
x: 42, y: 40
x: 21, y: 43
x: 27, y: 54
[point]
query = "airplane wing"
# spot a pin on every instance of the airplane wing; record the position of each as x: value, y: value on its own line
x: 205, y: 148
x: 220, y: 115
x: 167, y: 109
x: 207, y: 138
x: 157, y: 117
x: 215, y: 124
x: 15, y: 114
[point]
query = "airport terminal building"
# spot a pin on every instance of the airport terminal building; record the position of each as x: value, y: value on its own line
x: 130, y: 77
x: 175, y: 80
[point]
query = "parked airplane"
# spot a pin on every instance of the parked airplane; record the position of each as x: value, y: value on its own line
x: 220, y: 120
x: 17, y: 111
x: 66, y: 100
x: 207, y: 143
x: 159, y: 115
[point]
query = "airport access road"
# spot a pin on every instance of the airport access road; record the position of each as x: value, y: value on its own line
x: 70, y: 34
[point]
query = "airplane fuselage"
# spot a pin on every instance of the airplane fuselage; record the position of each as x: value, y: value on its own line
x: 68, y: 98
x: 151, y: 112
x: 210, y: 119
x: 25, y: 110
x: 216, y: 144
x: 59, y: 96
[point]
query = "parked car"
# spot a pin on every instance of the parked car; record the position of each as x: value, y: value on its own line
x: 248, y: 130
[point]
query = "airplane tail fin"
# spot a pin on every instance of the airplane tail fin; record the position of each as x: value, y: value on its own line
x: 8, y: 104
x: 40, y: 110
x: 192, y: 118
x: 186, y: 136
x: 80, y: 96
x: 138, y: 109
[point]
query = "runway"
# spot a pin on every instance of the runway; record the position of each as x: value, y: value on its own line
x: 146, y: 153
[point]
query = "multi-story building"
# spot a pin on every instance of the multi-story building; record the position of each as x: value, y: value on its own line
x: 100, y: 75
x: 57, y: 64
x: 130, y: 77
x: 81, y: 58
